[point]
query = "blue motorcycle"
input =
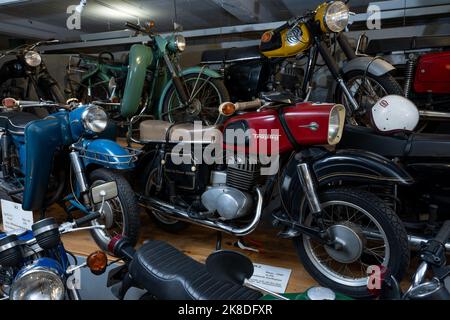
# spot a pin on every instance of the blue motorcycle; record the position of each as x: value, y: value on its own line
x: 34, y: 264
x: 62, y: 160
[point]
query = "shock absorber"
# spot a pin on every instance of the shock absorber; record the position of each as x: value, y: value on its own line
x: 409, y: 74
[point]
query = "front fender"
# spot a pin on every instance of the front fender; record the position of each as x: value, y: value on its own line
x: 186, y: 72
x: 107, y: 154
x: 141, y: 57
x: 375, y: 66
x: 345, y: 165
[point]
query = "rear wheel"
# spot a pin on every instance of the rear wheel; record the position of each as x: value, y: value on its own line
x: 369, y: 234
x: 205, y: 94
x: 120, y: 215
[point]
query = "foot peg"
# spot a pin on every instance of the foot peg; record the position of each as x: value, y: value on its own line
x: 289, y: 233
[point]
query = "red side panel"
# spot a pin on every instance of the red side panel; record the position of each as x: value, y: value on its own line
x: 433, y: 73
x: 309, y: 123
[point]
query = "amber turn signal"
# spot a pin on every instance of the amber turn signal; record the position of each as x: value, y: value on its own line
x: 9, y: 102
x: 97, y: 262
x: 227, y: 109
x: 266, y: 37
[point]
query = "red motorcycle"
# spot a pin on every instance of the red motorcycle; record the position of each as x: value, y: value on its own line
x: 423, y: 66
x: 338, y: 232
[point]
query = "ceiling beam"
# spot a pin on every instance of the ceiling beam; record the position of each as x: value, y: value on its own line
x: 245, y: 10
x: 27, y: 28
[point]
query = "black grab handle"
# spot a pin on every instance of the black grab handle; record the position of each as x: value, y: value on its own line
x: 133, y: 26
x: 86, y: 219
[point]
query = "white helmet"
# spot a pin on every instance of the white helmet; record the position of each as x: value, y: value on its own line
x: 395, y: 113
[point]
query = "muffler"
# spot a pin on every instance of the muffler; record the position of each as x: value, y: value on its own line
x: 416, y: 242
x: 182, y: 215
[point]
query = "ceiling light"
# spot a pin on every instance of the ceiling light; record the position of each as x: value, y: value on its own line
x: 5, y: 2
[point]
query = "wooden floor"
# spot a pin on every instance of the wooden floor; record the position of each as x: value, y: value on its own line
x: 199, y: 242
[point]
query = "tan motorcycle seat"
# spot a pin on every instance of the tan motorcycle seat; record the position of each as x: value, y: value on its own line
x: 156, y: 131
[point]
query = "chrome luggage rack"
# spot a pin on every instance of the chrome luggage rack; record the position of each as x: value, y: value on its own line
x: 110, y: 159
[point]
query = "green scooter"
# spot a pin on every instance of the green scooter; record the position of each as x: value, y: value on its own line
x: 155, y: 83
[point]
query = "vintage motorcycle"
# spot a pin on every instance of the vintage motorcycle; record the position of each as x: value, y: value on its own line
x: 30, y: 67
x: 156, y: 85
x: 422, y: 68
x: 34, y: 265
x: 338, y: 232
x: 276, y: 65
x: 60, y: 160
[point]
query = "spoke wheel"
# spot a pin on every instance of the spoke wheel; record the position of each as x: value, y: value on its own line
x: 205, y: 96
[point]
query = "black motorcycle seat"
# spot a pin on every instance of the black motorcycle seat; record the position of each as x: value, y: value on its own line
x: 15, y: 121
x: 400, y: 145
x: 231, y: 55
x: 169, y: 274
x: 412, y: 43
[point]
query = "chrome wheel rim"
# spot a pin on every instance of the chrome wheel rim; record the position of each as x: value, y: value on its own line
x: 113, y: 210
x: 347, y: 273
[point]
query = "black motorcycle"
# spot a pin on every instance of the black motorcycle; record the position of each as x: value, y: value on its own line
x: 28, y: 72
x: 426, y: 157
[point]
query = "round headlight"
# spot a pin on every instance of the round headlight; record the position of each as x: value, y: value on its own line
x: 180, y: 43
x: 336, y: 124
x: 95, y: 119
x: 337, y: 16
x: 37, y: 283
x: 33, y: 59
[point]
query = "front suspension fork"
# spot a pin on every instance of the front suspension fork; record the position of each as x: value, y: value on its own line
x: 80, y: 176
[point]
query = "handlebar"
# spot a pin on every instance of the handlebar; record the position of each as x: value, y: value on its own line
x: 135, y: 27
x: 242, y: 106
x: 86, y: 219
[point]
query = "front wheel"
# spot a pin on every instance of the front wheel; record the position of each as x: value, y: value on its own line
x: 366, y: 233
x: 205, y: 94
x: 367, y: 89
x: 120, y: 215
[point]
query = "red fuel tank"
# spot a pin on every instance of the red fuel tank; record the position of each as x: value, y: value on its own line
x: 307, y: 122
x: 433, y: 73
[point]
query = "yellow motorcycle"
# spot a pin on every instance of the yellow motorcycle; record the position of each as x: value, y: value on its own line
x: 286, y: 60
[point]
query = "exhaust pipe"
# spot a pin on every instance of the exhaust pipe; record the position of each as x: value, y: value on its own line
x: 434, y: 115
x: 416, y: 242
x: 181, y: 214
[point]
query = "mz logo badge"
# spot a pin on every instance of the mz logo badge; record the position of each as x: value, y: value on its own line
x: 384, y: 103
x: 294, y: 36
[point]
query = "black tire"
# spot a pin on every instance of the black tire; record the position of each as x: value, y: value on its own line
x: 386, y: 82
x: 166, y: 224
x: 129, y: 208
x: 391, y: 225
x: 208, y: 111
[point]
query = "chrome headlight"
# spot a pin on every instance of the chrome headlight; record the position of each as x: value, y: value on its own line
x: 38, y: 283
x: 94, y: 119
x: 336, y: 124
x: 180, y: 43
x: 337, y: 16
x: 33, y: 59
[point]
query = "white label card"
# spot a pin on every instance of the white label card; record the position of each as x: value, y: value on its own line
x: 271, y: 278
x: 14, y: 217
